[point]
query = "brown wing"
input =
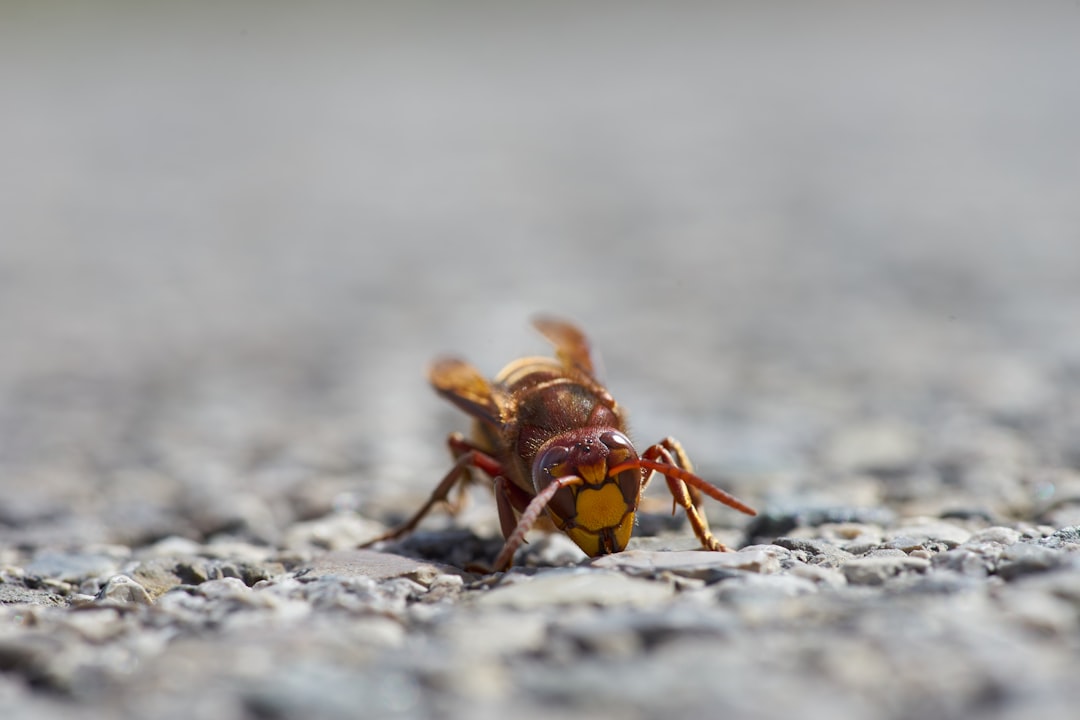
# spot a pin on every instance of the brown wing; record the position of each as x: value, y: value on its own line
x: 571, y: 345
x: 462, y: 384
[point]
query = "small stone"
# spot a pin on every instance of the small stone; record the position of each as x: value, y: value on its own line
x: 876, y: 570
x: 157, y: 575
x: 923, y: 533
x: 996, y: 534
x: 575, y: 586
x: 964, y: 561
x: 223, y: 588
x: 815, y: 551
x: 810, y: 547
x: 18, y: 594
x: 821, y: 575
x: 1066, y: 537
x: 444, y: 588
x: 77, y: 600
x: 1026, y: 558
x: 377, y: 566
x: 851, y: 538
x: 123, y: 590
x: 72, y: 567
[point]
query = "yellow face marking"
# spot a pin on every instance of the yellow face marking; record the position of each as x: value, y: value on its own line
x: 625, y: 529
x: 599, y: 508
x: 589, y: 541
x: 592, y: 474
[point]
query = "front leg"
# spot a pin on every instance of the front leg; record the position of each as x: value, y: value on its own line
x: 529, y: 515
x: 466, y: 456
x: 675, y: 466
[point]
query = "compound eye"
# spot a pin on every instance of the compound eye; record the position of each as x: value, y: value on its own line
x: 550, y: 465
x: 553, y: 461
x: 614, y: 439
x: 619, y: 445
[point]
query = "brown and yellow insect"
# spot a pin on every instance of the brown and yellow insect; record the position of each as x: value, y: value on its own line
x: 553, y: 441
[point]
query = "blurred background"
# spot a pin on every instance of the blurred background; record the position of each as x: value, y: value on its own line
x: 810, y: 240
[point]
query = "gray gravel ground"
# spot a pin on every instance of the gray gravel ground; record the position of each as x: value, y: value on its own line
x: 834, y: 249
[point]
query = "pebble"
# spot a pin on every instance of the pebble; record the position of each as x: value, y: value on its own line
x: 157, y: 575
x: 1026, y: 558
x: 918, y: 532
x: 378, y: 566
x: 75, y: 566
x: 121, y: 589
x: 820, y: 575
x: 1067, y: 538
x: 879, y: 569
x: 227, y: 588
x: 966, y: 561
x: 996, y: 534
x: 818, y: 552
x: 18, y: 594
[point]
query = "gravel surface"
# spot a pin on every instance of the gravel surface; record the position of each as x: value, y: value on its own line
x: 833, y: 249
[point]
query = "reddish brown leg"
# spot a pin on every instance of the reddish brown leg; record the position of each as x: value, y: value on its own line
x: 460, y: 446
x: 674, y: 447
x: 529, y: 517
x: 511, y: 502
x: 467, y: 457
x: 668, y: 458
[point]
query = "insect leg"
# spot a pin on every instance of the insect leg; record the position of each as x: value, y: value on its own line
x: 674, y: 447
x: 529, y: 517
x: 469, y: 458
x: 509, y: 499
x: 460, y: 446
x: 682, y: 494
